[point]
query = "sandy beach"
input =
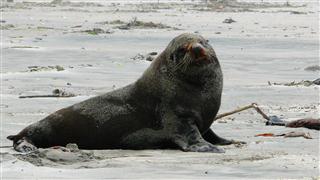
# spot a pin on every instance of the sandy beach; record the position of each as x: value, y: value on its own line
x: 86, y: 48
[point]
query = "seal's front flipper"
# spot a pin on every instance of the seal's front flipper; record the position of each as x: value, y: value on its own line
x: 211, y: 137
x: 22, y: 145
x: 189, y: 139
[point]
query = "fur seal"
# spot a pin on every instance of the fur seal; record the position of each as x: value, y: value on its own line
x: 172, y: 105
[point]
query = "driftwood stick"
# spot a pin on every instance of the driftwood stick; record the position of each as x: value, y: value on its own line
x: 47, y: 96
x: 253, y: 105
x: 219, y: 116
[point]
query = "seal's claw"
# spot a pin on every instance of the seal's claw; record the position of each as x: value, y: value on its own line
x: 204, y: 147
x: 225, y: 142
x: 213, y: 138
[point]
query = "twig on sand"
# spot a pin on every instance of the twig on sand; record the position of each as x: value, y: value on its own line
x: 56, y: 93
x: 253, y: 105
x: 48, y: 96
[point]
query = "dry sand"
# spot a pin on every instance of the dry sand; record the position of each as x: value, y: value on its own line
x: 266, y: 43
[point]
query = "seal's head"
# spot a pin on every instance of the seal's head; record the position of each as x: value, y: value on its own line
x: 190, y: 55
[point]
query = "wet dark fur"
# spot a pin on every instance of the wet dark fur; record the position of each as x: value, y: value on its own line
x: 165, y: 108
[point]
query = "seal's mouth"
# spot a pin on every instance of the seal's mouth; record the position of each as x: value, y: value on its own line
x: 198, y: 53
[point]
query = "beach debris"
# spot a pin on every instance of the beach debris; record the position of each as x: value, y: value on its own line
x: 138, y: 57
x: 229, y: 21
x: 286, y: 135
x: 62, y: 93
x: 44, y: 96
x: 96, y: 31
x: 297, y: 12
x: 300, y: 83
x: 152, y: 53
x: 312, y: 68
x: 112, y: 22
x: 253, y: 105
x: 317, y: 81
x: 45, y: 68
x: 85, y: 65
x: 222, y: 121
x: 116, y: 22
x: 44, y: 28
x: 135, y: 23
x: 69, y: 3
x: 275, y: 121
x: 309, y: 123
x: 54, y: 3
x: 6, y: 26
x: 265, y: 135
x: 296, y: 134
x: 77, y: 26
x: 56, y: 93
x: 124, y: 27
x: 151, y: 56
x: 236, y: 5
x: 148, y: 57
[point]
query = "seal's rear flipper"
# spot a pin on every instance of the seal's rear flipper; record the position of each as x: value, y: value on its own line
x: 21, y: 144
x: 188, y: 138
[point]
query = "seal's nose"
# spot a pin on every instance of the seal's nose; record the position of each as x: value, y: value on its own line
x: 198, y: 50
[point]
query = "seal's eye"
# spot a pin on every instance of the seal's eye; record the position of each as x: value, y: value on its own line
x: 180, y: 52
